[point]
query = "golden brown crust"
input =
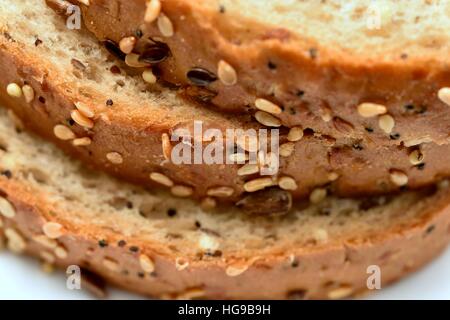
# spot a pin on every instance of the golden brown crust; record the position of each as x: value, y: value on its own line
x: 306, y: 78
x: 361, y: 167
x: 398, y: 251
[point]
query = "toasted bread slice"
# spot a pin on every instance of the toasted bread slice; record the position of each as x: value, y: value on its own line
x: 67, y: 71
x: 161, y: 246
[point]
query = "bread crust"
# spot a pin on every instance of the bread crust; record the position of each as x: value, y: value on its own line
x: 318, y: 271
x: 362, y: 167
x: 305, y: 77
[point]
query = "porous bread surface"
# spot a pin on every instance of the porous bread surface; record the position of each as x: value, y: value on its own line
x: 308, y: 254
x: 133, y: 125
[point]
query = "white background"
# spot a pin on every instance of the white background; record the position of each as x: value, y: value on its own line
x: 22, y: 278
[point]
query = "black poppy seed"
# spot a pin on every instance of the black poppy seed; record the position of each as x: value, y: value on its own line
x: 313, y: 53
x: 271, y: 65
x: 129, y: 205
x: 300, y: 93
x: 368, y: 129
x: 222, y: 9
x: 122, y: 243
x: 292, y: 111
x: 201, y: 77
x: 70, y: 122
x: 41, y: 99
x: 294, y: 263
x: 102, y: 243
x: 141, y: 274
x: 134, y: 249
x: 109, y: 102
x: 395, y: 136
x: 430, y: 229
x: 37, y: 42
x: 198, y: 224
x: 171, y: 212
x: 404, y: 56
x: 7, y: 173
x: 138, y: 33
x: 421, y: 166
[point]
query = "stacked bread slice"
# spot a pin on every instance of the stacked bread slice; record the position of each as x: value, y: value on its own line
x: 215, y: 230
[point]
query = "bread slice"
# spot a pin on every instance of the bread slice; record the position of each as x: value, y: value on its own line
x: 319, y: 60
x: 65, y: 68
x: 158, y: 245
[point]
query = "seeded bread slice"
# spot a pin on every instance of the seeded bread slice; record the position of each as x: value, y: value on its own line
x: 323, y: 62
x: 60, y: 72
x: 157, y: 245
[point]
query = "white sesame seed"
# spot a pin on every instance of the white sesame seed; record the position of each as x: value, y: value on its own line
x: 53, y: 230
x: 239, y: 158
x: 165, y: 26
x: 6, y: 208
x: 81, y: 119
x: 416, y: 142
x: 208, y: 203
x: 248, y: 169
x: 226, y: 73
x: 386, y: 123
x: 234, y: 271
x: 416, y: 157
x: 60, y: 252
x: 146, y: 263
x: 398, y: 177
x: 28, y: 93
x: 286, y: 149
x: 368, y: 110
x: 132, y: 60
x: 153, y: 10
x: 181, y: 191
x: 181, y: 264
x: 16, y: 242
x: 318, y: 195
x: 63, y: 132
x: 45, y: 241
x: 295, y: 134
x: 161, y: 179
x: 258, y: 184
x: 114, y: 157
x: 82, y: 142
x: 267, y: 119
x: 14, y: 90
x: 166, y: 146
x: 267, y: 106
x: 85, y: 2
x: 148, y: 76
x: 208, y: 243
x: 320, y: 235
x: 333, y: 176
x: 220, y: 192
x: 340, y: 293
x: 444, y: 95
x: 287, y: 183
x: 111, y: 264
x: 85, y: 110
x: 127, y: 44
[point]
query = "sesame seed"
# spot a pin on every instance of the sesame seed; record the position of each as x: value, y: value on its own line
x: 248, y: 169
x: 60, y: 252
x: 127, y: 44
x: 28, y: 93
x: 267, y: 119
x: 181, y: 191
x: 165, y: 26
x: 220, y: 192
x: 340, y: 293
x: 45, y: 241
x: 82, y: 142
x: 318, y: 195
x: 333, y: 176
x: 398, y: 177
x: 226, y: 73
x: 267, y: 106
x: 208, y: 243
x: 166, y: 146
x: 132, y: 60
x: 62, y: 132
x: 14, y: 90
x: 111, y: 264
x: 416, y: 142
x: 146, y: 263
x: 320, y: 235
x: 286, y: 149
x: 85, y: 2
x: 161, y: 179
x: 258, y: 184
x: 153, y: 10
x: 81, y: 119
x: 114, y: 157
x: 287, y: 183
x: 368, y: 110
x: 208, y: 203
x: 239, y: 158
x: 148, y: 76
x: 416, y: 157
x: 16, y: 242
x: 444, y: 95
x: 234, y: 271
x: 181, y: 264
x: 53, y: 230
x: 386, y: 123
x: 6, y: 208
x: 85, y: 110
x: 295, y: 134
